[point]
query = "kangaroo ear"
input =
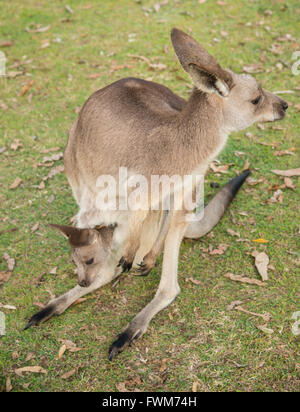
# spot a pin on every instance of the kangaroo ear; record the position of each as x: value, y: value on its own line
x: 205, y: 71
x: 77, y: 237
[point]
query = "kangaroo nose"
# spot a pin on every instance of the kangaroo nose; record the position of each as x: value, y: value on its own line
x: 83, y: 283
x: 285, y: 106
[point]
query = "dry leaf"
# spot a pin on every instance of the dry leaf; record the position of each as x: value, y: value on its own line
x: 220, y: 250
x: 261, y: 263
x: 246, y: 165
x: 239, y: 278
x: 6, y: 44
x: 264, y: 329
x: 29, y: 356
x: 233, y: 233
x: 8, y: 386
x: 277, y: 197
x: 219, y: 169
x: 282, y: 152
x: 195, y: 281
x: 61, y: 351
x: 253, y: 68
x: 35, y: 227
x: 67, y: 375
x: 265, y: 316
x: 10, y: 262
x: 16, y: 144
x: 233, y: 304
x: 287, y: 173
x: 71, y: 346
x: 195, y: 386
x: 260, y: 240
x: 121, y: 387
x: 16, y: 183
x: 54, y: 157
x: 26, y: 87
x: 31, y: 369
x: 163, y: 365
x: 11, y: 307
x: 38, y: 28
x: 289, y: 183
x: 4, y: 277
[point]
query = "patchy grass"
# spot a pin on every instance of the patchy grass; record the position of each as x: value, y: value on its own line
x: 202, y: 341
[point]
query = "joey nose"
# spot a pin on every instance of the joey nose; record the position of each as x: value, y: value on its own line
x: 284, y: 105
x: 83, y: 283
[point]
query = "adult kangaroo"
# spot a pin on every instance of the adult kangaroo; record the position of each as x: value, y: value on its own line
x: 147, y: 129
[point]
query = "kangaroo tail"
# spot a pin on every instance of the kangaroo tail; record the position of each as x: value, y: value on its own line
x: 215, y: 209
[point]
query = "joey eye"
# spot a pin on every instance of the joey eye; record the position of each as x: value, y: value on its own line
x: 89, y: 262
x: 256, y: 101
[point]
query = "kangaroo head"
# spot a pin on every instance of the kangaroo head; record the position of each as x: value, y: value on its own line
x: 243, y: 102
x: 90, y: 249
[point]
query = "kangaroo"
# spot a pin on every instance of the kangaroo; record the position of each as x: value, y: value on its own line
x: 146, y: 128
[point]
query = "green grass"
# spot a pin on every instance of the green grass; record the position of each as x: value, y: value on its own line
x: 202, y: 341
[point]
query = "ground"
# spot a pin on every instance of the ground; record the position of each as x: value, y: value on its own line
x: 61, y: 54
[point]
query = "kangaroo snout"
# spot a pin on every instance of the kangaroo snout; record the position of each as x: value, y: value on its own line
x: 84, y: 283
x: 284, y: 105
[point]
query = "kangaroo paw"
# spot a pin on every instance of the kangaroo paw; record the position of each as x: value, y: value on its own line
x: 125, y: 338
x: 125, y: 264
x: 41, y: 316
x: 144, y: 268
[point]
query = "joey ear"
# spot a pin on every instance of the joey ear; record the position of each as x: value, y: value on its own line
x: 106, y: 233
x: 77, y: 237
x: 204, y: 69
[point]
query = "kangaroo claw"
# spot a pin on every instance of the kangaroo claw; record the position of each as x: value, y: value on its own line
x: 41, y: 316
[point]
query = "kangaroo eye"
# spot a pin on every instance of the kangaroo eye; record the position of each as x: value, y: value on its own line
x: 89, y: 262
x: 256, y: 101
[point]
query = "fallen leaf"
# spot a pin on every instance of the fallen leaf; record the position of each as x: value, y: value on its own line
x: 220, y: 250
x: 10, y: 261
x: 67, y: 375
x: 233, y: 304
x: 16, y: 183
x: 277, y: 197
x: 15, y: 355
x: 239, y: 278
x: 163, y: 365
x: 16, y: 144
x: 264, y: 329
x: 246, y: 165
x: 26, y: 87
x: 8, y: 386
x: 233, y: 233
x: 71, y: 346
x: 287, y: 173
x: 195, y: 386
x: 37, y: 28
x: 11, y: 307
x: 253, y: 68
x: 219, y: 169
x: 289, y: 183
x: 121, y: 387
x: 61, y: 351
x: 261, y: 263
x: 6, y: 44
x: 260, y: 240
x: 35, y: 227
x: 282, y: 152
x: 80, y: 300
x: 29, y: 356
x: 54, y: 157
x: 194, y: 281
x: 31, y: 369
x: 265, y: 316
